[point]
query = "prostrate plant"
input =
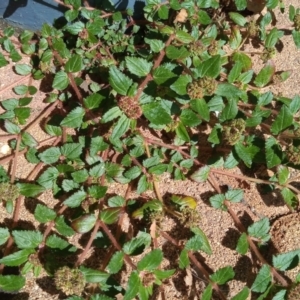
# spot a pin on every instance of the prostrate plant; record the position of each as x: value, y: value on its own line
x: 127, y: 101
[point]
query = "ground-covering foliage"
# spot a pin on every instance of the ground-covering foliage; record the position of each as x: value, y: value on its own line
x: 128, y: 101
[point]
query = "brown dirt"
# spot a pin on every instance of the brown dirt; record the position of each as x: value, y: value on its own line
x: 217, y: 225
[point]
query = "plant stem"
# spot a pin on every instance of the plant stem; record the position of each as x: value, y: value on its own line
x: 157, y: 62
x: 241, y: 228
x: 88, y: 245
x: 17, y: 208
x: 15, y: 160
x: 10, y: 86
x: 196, y: 263
x: 116, y: 244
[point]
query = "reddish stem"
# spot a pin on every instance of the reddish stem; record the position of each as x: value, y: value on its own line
x: 116, y: 244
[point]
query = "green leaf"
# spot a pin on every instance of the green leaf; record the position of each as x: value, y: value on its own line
x: 44, y: 214
x: 142, y: 184
x: 273, y: 37
x: 53, y: 130
x: 235, y: 72
x: 74, y: 118
x: 4, y: 235
x: 155, y: 45
x: 265, y: 99
x: 265, y: 74
x: 230, y: 111
x: 234, y: 196
x: 116, y: 263
x: 9, y: 104
x: 217, y: 201
x: 163, y: 274
x: 132, y: 286
x: 242, y: 295
x: 260, y: 229
x: 201, y: 174
x: 29, y: 140
x: 189, y: 118
x: 133, y: 172
x: 273, y: 152
x: 204, y: 17
x: 287, y: 260
x: 244, y: 59
x: 84, y: 223
x: 71, y: 150
x: 210, y: 67
x: 289, y: 198
x: 94, y: 276
x: 93, y: 101
x: 74, y: 64
x: 27, y: 239
x: 69, y: 185
x: 116, y: 201
x: 142, y: 239
x: 181, y: 132
x: 119, y: 82
x: 97, y: 191
x: 30, y: 189
x: 235, y: 38
x: 110, y: 215
x: 283, y: 174
x: 156, y: 113
x: 31, y: 156
x: 295, y: 104
x: 75, y: 199
x: 281, y: 295
x: 22, y: 113
x: 17, y: 258
x: 11, y: 283
x: 62, y: 227
x: 138, y: 66
x: 237, y: 18
x: 175, y: 53
x: 283, y: 120
x: 240, y: 4
x: 183, y: 259
x: 50, y: 155
x: 246, y: 153
x: 48, y: 177
x: 245, y: 77
x: 111, y: 114
x: 23, y: 69
x: 179, y: 86
x: 11, y: 127
x: 207, y: 293
x: 262, y: 280
x: 3, y: 61
x: 97, y: 144
x: 296, y: 38
x: 198, y: 242
x: 183, y: 37
x: 205, y: 243
x: 200, y: 106
x: 242, y: 244
x: 222, y: 275
x: 55, y: 242
x: 150, y: 261
x: 75, y: 28
x: 120, y: 127
x: 163, y: 12
x: 60, y: 81
x: 162, y: 74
